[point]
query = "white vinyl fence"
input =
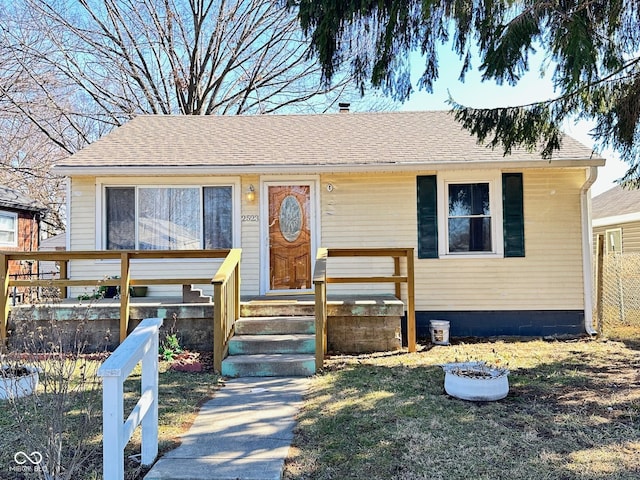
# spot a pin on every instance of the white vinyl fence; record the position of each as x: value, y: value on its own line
x: 140, y: 346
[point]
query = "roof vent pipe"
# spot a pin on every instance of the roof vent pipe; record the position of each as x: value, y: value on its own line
x: 344, y: 107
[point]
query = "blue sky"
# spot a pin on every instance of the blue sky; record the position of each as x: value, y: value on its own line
x: 475, y: 93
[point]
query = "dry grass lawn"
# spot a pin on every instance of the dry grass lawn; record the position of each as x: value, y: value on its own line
x: 573, y: 412
x: 180, y: 396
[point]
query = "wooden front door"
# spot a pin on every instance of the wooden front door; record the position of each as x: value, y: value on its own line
x: 289, y: 237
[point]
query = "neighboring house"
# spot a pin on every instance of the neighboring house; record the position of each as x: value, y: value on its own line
x: 502, y: 242
x: 56, y: 243
x: 50, y: 269
x: 616, y: 215
x: 19, y: 228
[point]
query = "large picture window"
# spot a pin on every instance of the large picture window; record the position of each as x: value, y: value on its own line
x: 169, y: 218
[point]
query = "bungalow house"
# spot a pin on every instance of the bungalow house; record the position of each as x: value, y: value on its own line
x: 19, y: 228
x: 616, y: 215
x: 501, y: 242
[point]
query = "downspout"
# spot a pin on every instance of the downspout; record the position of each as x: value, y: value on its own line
x: 67, y: 213
x: 587, y: 249
x: 67, y: 230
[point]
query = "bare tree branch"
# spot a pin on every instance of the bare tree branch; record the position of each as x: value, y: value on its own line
x: 71, y: 70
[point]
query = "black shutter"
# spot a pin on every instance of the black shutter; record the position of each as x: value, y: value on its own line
x: 513, y: 212
x: 427, y: 217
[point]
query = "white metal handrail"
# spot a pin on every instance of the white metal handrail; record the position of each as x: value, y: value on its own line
x: 141, y: 346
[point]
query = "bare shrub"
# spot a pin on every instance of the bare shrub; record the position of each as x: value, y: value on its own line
x: 55, y: 432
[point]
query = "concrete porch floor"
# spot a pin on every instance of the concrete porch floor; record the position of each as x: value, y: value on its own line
x: 290, y: 299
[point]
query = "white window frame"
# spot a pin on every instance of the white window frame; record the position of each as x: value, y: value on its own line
x: 13, y: 215
x: 494, y: 179
x: 608, y: 233
x: 103, y: 183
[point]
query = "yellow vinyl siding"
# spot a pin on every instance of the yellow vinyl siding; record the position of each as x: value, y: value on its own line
x: 548, y: 277
x: 630, y: 235
x: 380, y: 210
x: 366, y: 210
x: 83, y: 213
x: 250, y: 237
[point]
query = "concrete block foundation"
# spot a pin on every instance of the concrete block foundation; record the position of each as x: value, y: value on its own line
x: 356, y: 324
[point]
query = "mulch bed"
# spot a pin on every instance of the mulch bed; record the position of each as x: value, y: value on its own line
x: 193, y: 362
x: 186, y: 361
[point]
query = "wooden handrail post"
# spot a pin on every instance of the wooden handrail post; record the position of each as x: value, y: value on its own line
x: 236, y: 299
x: 226, y: 304
x: 4, y: 300
x: 320, y: 288
x: 64, y: 275
x: 411, y: 300
x: 125, y: 274
x: 321, y: 323
x: 218, y: 319
x: 396, y: 272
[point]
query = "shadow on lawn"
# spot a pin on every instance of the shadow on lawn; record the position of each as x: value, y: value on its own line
x: 577, y: 417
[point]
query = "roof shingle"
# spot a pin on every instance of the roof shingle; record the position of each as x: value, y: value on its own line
x: 614, y: 202
x: 10, y: 198
x: 381, y: 138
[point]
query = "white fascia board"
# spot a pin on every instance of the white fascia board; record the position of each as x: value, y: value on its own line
x: 616, y: 219
x: 322, y: 168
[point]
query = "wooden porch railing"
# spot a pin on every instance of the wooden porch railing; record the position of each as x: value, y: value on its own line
x: 226, y: 285
x: 226, y: 295
x: 320, y: 286
x: 124, y: 282
x: 320, y: 281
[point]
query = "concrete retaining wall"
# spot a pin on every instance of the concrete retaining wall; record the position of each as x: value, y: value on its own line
x: 355, y: 334
x: 355, y: 325
x: 97, y: 327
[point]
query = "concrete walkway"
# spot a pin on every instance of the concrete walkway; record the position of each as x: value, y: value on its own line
x: 243, y: 433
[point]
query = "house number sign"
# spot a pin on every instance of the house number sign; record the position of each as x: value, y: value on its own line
x: 249, y: 218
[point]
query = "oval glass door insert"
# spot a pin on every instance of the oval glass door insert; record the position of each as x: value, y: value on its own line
x: 290, y: 218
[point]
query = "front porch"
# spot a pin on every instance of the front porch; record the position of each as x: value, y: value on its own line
x: 342, y: 323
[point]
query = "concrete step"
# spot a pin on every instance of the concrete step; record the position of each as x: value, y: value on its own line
x: 254, y: 344
x: 275, y: 325
x: 271, y: 308
x: 194, y: 295
x: 269, y: 365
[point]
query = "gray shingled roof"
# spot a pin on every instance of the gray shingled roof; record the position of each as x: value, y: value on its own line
x: 381, y: 138
x: 13, y: 199
x: 617, y: 201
